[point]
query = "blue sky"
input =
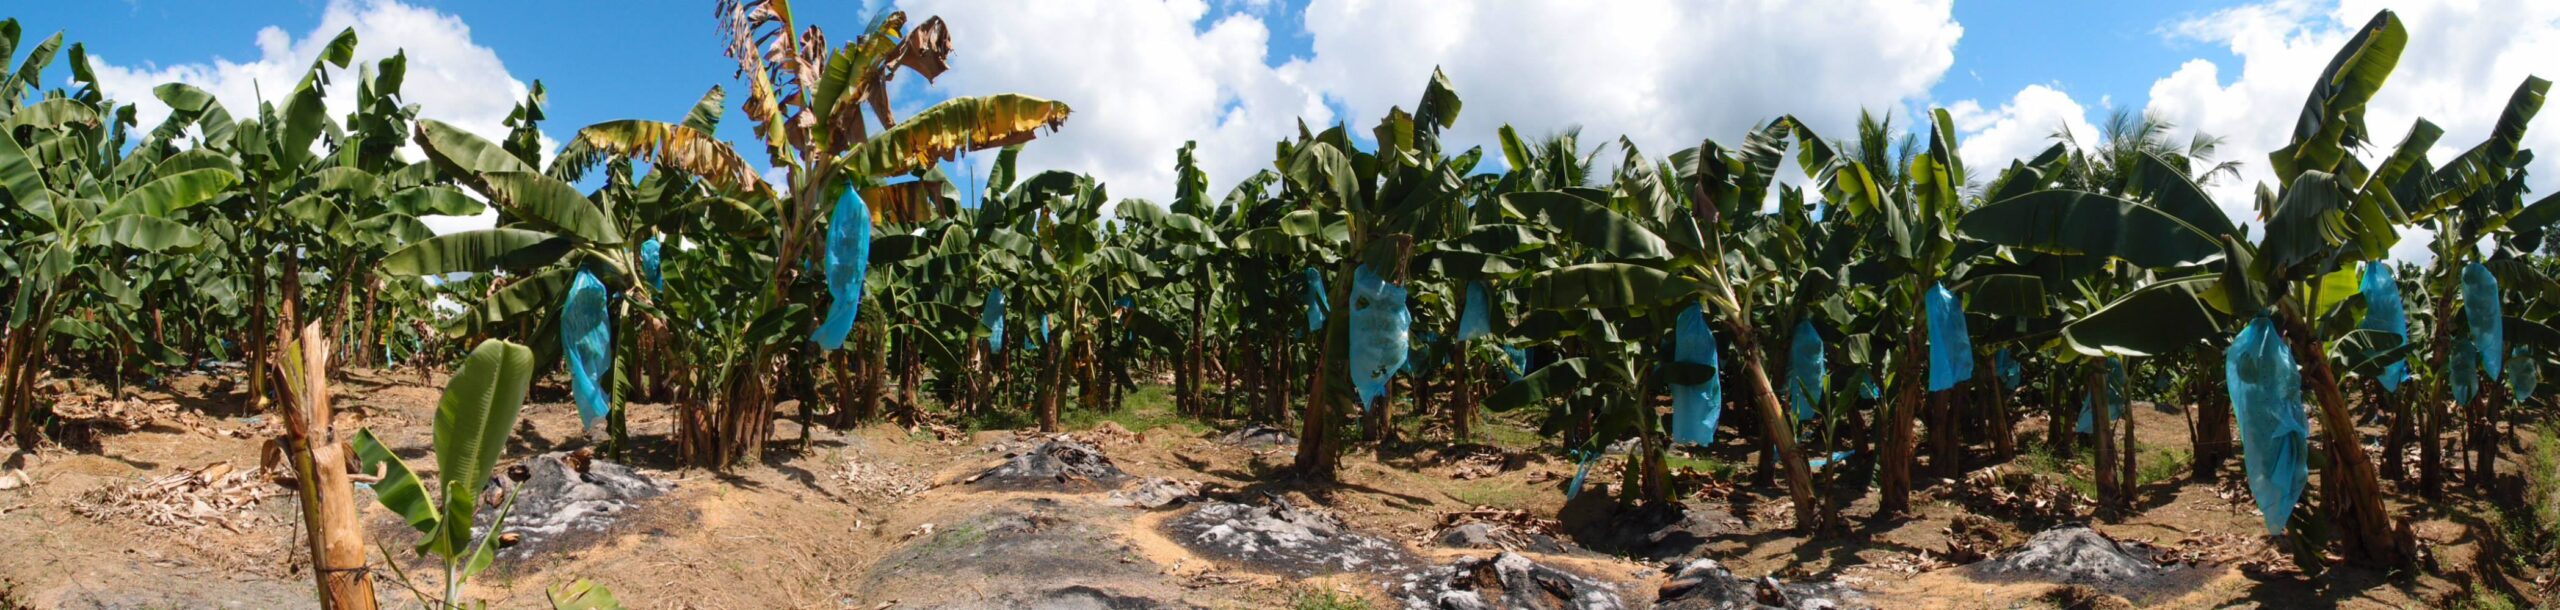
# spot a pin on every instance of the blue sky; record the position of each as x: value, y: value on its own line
x: 1146, y: 75
x: 654, y: 58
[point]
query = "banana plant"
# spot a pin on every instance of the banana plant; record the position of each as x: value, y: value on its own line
x: 1374, y: 203
x: 1653, y: 245
x: 1708, y: 216
x: 365, y: 202
x: 76, y: 205
x: 2328, y: 212
x: 473, y: 419
x: 1179, y: 235
x: 1905, y: 208
x: 807, y: 101
x: 550, y: 231
x: 2476, y: 197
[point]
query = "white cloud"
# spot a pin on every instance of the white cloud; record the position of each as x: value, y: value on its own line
x: 450, y: 77
x: 2463, y: 60
x: 2019, y: 128
x: 1143, y: 77
x: 1665, y: 73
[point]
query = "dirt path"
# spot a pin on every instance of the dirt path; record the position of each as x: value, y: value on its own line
x: 881, y: 517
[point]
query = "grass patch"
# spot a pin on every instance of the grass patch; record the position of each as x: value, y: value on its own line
x: 2532, y: 534
x: 2156, y: 464
x: 1722, y: 470
x: 1497, y: 493
x: 2542, y: 479
x: 2161, y: 464
x: 1006, y: 417
x: 2041, y: 458
x: 1149, y: 408
x: 1494, y: 429
x: 1317, y: 599
x: 957, y: 537
x: 2485, y: 599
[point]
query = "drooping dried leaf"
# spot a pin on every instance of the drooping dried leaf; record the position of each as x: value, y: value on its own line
x: 954, y: 126
x: 666, y: 145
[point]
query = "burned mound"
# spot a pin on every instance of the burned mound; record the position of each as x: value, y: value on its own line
x: 1259, y: 435
x: 1021, y: 553
x: 2078, y: 555
x: 1056, y: 465
x: 1283, y: 539
x: 1154, y: 494
x: 1707, y: 585
x: 1654, y: 532
x: 570, y: 500
x: 1509, y: 581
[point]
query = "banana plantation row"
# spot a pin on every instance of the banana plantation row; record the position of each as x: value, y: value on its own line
x: 1363, y: 283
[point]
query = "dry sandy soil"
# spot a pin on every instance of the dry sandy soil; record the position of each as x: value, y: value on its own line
x: 882, y: 517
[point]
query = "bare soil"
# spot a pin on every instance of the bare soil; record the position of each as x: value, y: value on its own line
x: 884, y: 517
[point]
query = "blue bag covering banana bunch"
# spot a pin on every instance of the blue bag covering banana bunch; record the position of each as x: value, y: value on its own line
x: 848, y: 259
x: 2275, y: 432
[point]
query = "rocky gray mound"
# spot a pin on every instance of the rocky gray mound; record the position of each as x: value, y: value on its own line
x: 1283, y: 539
x: 1074, y: 597
x: 1021, y: 553
x: 1259, y: 435
x: 569, y: 500
x: 1155, y: 493
x: 2078, y: 555
x: 1509, y: 581
x: 1070, y: 597
x: 1487, y: 535
x: 1656, y: 533
x: 1055, y: 465
x: 1705, y: 585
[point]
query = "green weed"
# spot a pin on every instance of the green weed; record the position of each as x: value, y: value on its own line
x: 1317, y: 599
x: 2161, y: 464
x: 2484, y: 599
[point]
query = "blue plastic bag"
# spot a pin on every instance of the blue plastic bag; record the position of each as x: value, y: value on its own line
x: 2464, y: 370
x: 848, y: 259
x: 1807, y: 377
x: 2524, y: 373
x: 2115, y: 397
x: 1867, y: 388
x: 2275, y: 433
x: 1129, y: 330
x: 1317, y: 301
x: 1586, y: 457
x: 586, y: 341
x: 2011, y: 372
x: 992, y: 317
x: 2384, y: 311
x: 1380, y: 333
x: 1425, y: 354
x: 1519, y: 361
x: 1950, y: 345
x: 1695, y: 407
x: 1819, y: 462
x: 1475, y: 318
x: 2488, y: 325
x: 649, y: 264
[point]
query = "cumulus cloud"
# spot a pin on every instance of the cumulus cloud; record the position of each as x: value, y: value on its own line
x: 2463, y: 60
x: 2019, y: 128
x: 451, y: 78
x: 1143, y: 77
x: 1661, y: 72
